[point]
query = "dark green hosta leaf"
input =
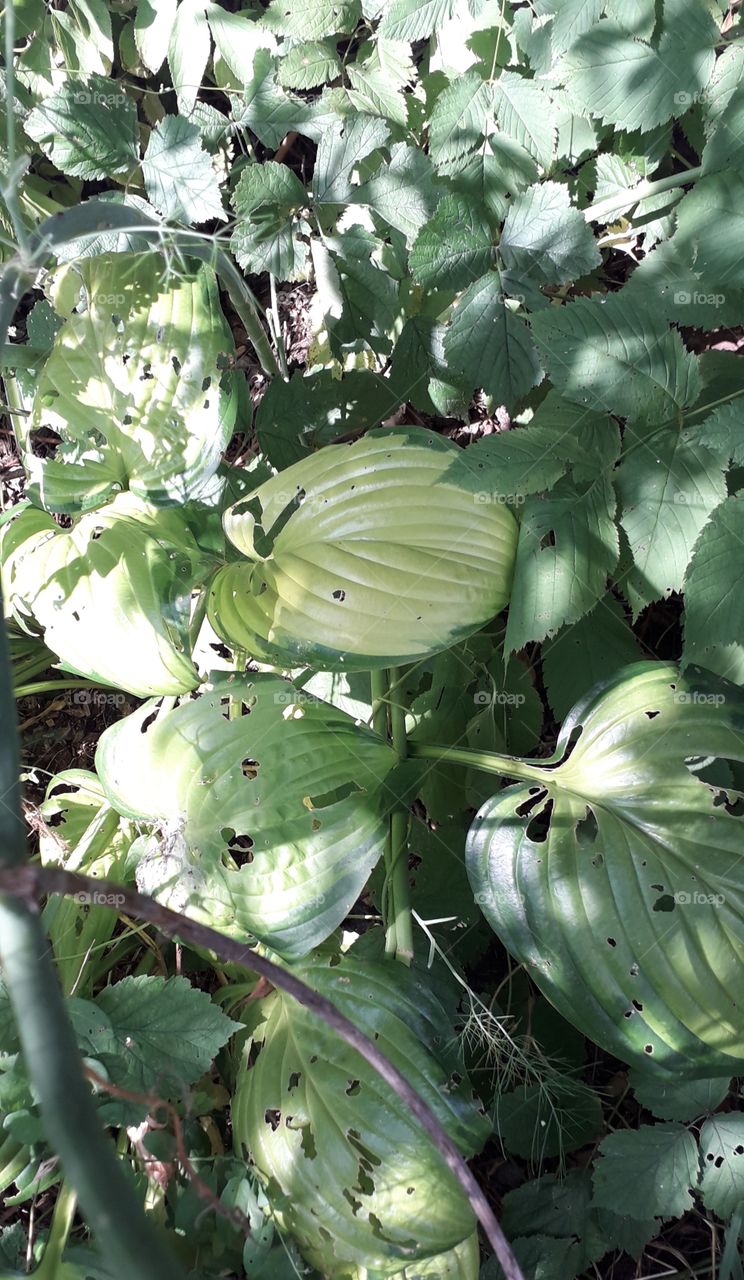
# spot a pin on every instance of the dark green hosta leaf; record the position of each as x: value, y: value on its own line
x: 267, y: 201
x: 365, y: 555
x: 112, y: 595
x: 354, y: 1179
x: 615, y: 875
x: 546, y: 241
x: 132, y: 384
x: 88, y: 128
x: 180, y: 178
x: 288, y: 783
x: 489, y: 346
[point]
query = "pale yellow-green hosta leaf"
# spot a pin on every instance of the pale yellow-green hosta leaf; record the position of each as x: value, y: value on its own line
x: 112, y: 595
x: 365, y: 555
x: 253, y: 772
x: 460, y: 1263
x: 349, y: 1172
x: 132, y: 384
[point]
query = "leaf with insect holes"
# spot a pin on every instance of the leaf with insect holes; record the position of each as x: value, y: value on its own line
x: 615, y: 876
x: 253, y: 770
x: 722, y: 1154
x: 647, y: 1172
x: 308, y: 1110
x: 180, y: 179
x: 364, y: 555
x: 132, y: 384
x: 88, y: 128
x: 112, y: 595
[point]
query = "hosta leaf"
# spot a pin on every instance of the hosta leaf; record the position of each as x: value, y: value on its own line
x: 454, y: 248
x: 488, y: 346
x: 266, y: 201
x: 112, y: 595
x: 88, y: 128
x: 636, y: 84
x: 414, y: 19
x: 722, y: 1152
x: 667, y: 490
x: 253, y: 770
x: 545, y: 240
x: 179, y: 176
x: 364, y: 552
x: 647, y: 1172
x: 355, y: 1180
x: 618, y: 355
x: 615, y: 876
x: 309, y: 64
x: 132, y: 384
x: 160, y: 1033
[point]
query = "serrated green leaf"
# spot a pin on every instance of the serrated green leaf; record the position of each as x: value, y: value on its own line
x: 647, y: 1171
x: 722, y: 432
x: 587, y: 652
x: 487, y: 345
x: 635, y: 84
x: 556, y: 1207
x: 545, y: 240
x: 309, y: 64
x: 188, y: 52
x: 266, y: 108
x: 571, y: 18
x: 679, y: 1100
x: 312, y: 19
x: 418, y: 371
x: 714, y: 609
x: 132, y: 384
x: 161, y: 1033
x: 494, y: 174
x: 297, y: 417
x: 616, y: 354
x: 88, y: 129
x: 308, y: 1111
x: 267, y: 201
x: 722, y: 1154
x: 340, y: 151
x: 454, y: 248
x: 402, y: 191
x: 273, y: 771
x: 667, y: 488
x: 414, y: 19
x: 568, y: 546
x: 354, y: 594
x: 618, y: 882
x: 525, y: 113
x: 460, y: 118
x: 238, y: 37
x: 378, y: 81
x: 536, y: 1123
x: 180, y: 179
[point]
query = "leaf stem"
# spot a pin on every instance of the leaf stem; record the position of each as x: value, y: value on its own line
x: 400, y: 888
x: 487, y: 761
x: 600, y: 210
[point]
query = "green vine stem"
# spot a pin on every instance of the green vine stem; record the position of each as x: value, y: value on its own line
x: 625, y: 200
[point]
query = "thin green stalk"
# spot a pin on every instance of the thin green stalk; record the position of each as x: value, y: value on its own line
x: 62, y: 1218
x: 10, y: 193
x: 487, y: 761
x: 400, y: 888
x: 623, y: 200
x: 379, y: 695
x: 52, y: 686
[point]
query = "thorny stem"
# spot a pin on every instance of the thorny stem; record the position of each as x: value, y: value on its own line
x: 27, y: 881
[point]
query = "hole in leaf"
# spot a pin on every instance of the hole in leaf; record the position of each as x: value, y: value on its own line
x: 353, y: 1088
x: 547, y: 540
x: 307, y: 1143
x: 273, y: 1117
x: 339, y: 595
x: 665, y: 903
x: 651, y: 714
x: 249, y: 768
x: 611, y: 942
x: 586, y: 829
x: 341, y: 792
x: 539, y: 826
x: 648, y: 1048
x: 294, y: 1080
